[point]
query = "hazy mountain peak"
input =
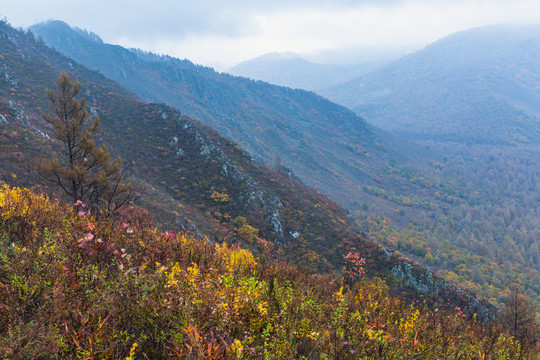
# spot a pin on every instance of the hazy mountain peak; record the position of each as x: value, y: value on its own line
x: 61, y: 28
x: 276, y: 56
x: 89, y: 35
x: 292, y: 70
x: 475, y: 86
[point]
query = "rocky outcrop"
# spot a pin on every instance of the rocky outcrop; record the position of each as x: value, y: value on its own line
x: 422, y: 280
x: 268, y: 205
x: 19, y: 114
x: 252, y: 198
x: 6, y: 77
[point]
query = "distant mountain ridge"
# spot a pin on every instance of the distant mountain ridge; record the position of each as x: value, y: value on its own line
x: 291, y: 70
x: 478, y: 86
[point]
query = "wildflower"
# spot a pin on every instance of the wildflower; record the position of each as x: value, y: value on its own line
x: 354, y: 264
x: 236, y: 348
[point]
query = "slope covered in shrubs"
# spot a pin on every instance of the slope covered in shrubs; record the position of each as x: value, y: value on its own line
x: 75, y: 287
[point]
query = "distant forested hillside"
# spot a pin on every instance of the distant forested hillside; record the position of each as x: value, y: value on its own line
x: 480, y: 86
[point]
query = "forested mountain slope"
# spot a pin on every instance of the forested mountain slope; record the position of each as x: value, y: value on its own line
x: 327, y: 146
x: 474, y: 96
x: 480, y: 86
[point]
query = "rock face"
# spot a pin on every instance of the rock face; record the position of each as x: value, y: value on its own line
x: 8, y: 79
x: 423, y: 281
x: 20, y: 116
x: 252, y: 198
x: 268, y: 205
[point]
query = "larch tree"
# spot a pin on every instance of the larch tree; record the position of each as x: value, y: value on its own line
x: 85, y: 172
x: 519, y: 318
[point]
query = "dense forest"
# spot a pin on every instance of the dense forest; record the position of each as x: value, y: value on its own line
x: 478, y: 222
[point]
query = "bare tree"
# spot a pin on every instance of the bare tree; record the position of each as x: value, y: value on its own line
x: 518, y: 317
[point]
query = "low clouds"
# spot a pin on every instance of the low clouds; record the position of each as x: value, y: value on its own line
x: 163, y: 18
x: 221, y: 33
x: 134, y: 18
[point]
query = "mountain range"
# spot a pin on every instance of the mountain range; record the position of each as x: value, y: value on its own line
x: 327, y: 146
x: 430, y: 202
x: 291, y: 70
x: 480, y: 86
x: 223, y: 164
x: 433, y: 203
x: 483, y: 80
x: 192, y: 179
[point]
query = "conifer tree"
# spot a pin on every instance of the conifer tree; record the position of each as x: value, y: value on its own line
x: 84, y: 171
x: 518, y: 317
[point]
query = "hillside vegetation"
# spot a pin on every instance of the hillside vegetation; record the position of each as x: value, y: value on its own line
x: 74, y: 287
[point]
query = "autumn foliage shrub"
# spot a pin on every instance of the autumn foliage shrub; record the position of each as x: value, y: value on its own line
x: 75, y: 287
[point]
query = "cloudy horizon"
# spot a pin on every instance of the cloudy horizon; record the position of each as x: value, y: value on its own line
x: 219, y: 34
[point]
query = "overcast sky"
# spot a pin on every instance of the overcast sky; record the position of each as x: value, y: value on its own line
x: 221, y: 33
